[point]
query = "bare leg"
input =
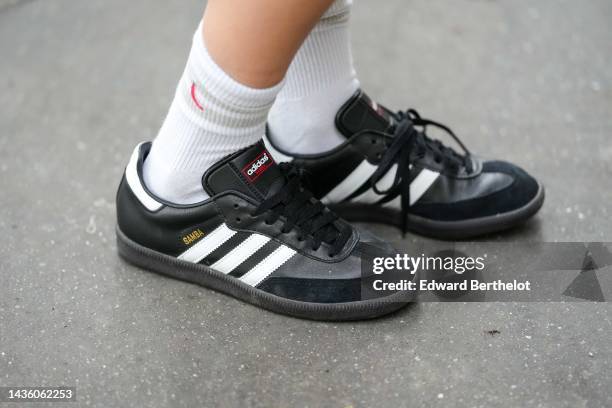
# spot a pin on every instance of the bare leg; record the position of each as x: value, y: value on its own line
x: 255, y: 41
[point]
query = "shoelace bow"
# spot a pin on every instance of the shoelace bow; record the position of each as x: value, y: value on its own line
x: 409, y: 144
x: 314, y: 221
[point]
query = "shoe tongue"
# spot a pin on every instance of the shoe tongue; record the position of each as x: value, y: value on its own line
x: 362, y: 113
x: 251, y: 171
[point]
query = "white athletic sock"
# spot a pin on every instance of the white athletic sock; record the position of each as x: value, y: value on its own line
x: 320, y: 80
x: 211, y: 117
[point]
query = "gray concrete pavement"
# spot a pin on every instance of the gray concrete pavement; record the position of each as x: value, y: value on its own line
x: 81, y: 82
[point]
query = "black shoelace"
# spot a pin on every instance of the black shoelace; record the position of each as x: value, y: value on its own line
x: 313, y: 220
x: 409, y: 144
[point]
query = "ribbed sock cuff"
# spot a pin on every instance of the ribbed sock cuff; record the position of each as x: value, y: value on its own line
x: 220, y: 85
x: 338, y: 7
x: 325, y: 59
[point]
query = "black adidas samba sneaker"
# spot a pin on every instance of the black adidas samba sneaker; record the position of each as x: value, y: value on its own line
x: 261, y: 237
x: 390, y: 171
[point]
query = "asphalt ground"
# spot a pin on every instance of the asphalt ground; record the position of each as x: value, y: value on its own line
x: 81, y: 82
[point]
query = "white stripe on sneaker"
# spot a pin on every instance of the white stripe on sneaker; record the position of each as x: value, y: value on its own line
x: 418, y: 187
x: 135, y: 183
x: 385, y: 183
x: 396, y: 203
x: 207, y: 245
x: 240, y: 254
x: 421, y: 184
x: 271, y: 263
x: 356, y: 179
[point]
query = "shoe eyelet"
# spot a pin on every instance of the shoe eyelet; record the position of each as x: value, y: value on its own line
x: 236, y: 206
x: 238, y: 219
x: 373, y: 141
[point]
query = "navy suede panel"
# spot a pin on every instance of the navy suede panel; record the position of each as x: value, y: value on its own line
x: 519, y: 193
x: 314, y: 290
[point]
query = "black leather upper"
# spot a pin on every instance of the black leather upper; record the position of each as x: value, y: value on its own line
x: 234, y: 196
x: 485, y: 188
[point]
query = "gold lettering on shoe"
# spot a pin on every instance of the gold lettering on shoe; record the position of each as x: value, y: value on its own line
x: 193, y: 236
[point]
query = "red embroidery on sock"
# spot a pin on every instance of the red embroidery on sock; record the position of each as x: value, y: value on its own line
x: 193, y: 96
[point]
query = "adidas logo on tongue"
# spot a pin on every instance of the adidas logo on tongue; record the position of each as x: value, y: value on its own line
x: 257, y: 167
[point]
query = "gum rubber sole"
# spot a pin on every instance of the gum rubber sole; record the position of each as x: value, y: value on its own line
x: 445, y: 230
x: 202, y: 275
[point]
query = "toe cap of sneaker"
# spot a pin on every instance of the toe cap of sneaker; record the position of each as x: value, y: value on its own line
x: 306, y: 280
x: 523, y: 189
x: 517, y: 191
